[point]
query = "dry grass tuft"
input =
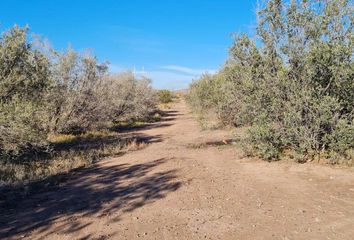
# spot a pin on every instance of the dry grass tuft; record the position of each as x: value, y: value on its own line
x: 68, y: 152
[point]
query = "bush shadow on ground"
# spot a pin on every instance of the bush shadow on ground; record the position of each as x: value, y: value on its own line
x: 166, y: 116
x: 96, y: 191
x: 78, y: 150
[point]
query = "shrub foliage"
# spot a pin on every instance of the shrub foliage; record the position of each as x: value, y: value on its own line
x: 293, y: 84
x: 165, y: 96
x: 45, y: 92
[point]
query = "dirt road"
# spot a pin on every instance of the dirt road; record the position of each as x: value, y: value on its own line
x: 185, y: 185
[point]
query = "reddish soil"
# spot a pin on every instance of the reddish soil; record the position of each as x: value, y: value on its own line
x: 187, y: 184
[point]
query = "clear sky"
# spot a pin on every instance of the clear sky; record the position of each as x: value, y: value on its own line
x: 172, y: 40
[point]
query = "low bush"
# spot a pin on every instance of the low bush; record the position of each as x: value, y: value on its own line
x: 165, y: 96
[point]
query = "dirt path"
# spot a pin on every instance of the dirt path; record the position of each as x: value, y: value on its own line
x: 174, y: 190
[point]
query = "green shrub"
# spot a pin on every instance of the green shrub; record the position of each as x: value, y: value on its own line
x: 265, y: 142
x: 341, y: 140
x: 23, y: 128
x: 165, y: 96
x: 24, y: 70
x: 298, y: 76
x: 24, y: 83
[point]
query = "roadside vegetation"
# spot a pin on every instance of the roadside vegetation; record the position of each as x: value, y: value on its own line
x: 291, y: 86
x: 165, y: 96
x: 59, y: 109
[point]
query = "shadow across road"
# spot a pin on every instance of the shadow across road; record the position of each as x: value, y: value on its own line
x: 97, y: 191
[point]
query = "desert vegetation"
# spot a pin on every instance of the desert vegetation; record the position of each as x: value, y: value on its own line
x: 165, y: 96
x: 292, y: 85
x: 89, y: 154
x: 59, y: 109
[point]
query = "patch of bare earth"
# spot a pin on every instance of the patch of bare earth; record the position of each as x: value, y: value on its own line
x: 186, y: 185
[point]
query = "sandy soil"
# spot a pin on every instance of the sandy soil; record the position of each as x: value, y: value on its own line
x: 186, y: 185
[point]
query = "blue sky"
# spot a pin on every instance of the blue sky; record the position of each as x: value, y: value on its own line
x: 173, y: 41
